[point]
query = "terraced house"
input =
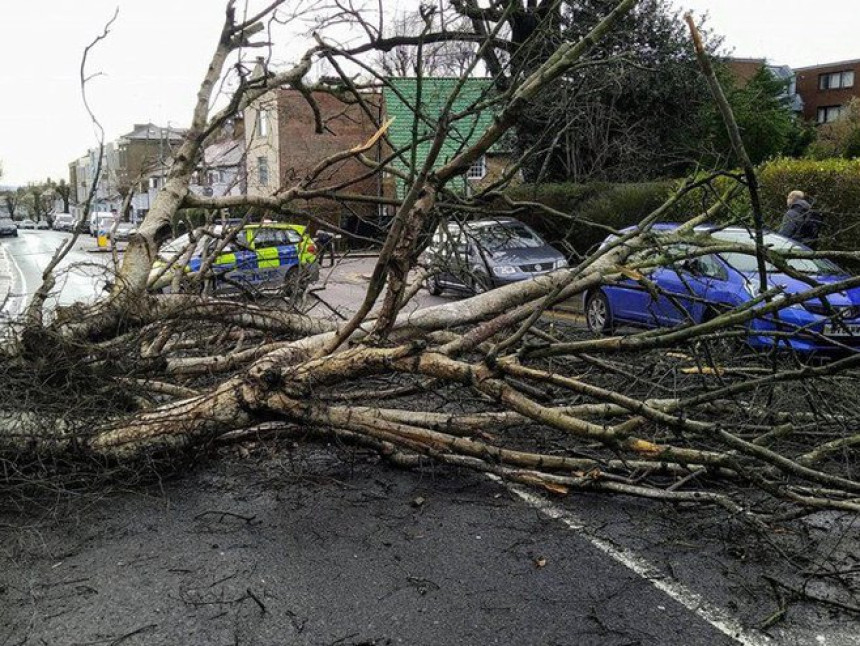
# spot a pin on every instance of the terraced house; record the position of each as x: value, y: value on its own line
x: 288, y: 137
x: 415, y: 107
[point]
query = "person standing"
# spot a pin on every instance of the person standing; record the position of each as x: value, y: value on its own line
x: 800, y: 222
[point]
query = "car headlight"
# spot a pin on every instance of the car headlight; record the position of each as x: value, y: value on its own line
x: 504, y: 270
x: 561, y: 264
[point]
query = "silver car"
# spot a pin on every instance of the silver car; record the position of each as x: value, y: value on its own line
x: 483, y: 254
x: 122, y: 231
x: 7, y: 227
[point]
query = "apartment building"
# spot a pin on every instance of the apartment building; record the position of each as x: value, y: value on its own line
x: 826, y: 89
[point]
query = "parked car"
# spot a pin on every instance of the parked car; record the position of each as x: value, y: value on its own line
x: 268, y: 256
x: 101, y: 221
x: 26, y: 223
x: 122, y: 231
x: 693, y: 289
x: 42, y: 224
x: 64, y: 222
x: 483, y: 254
x: 7, y: 227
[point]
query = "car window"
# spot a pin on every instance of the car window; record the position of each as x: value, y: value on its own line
x: 265, y: 237
x: 711, y: 267
x: 500, y: 237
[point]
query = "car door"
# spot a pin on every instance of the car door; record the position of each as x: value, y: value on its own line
x: 234, y: 262
x: 275, y: 254
x: 629, y: 300
x: 688, y: 288
x: 453, y: 258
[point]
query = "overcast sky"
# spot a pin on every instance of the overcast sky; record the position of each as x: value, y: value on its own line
x: 152, y: 62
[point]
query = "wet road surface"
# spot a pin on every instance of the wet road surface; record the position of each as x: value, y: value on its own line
x: 81, y: 275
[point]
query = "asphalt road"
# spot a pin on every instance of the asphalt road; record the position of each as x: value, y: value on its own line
x: 81, y: 275
x: 309, y: 546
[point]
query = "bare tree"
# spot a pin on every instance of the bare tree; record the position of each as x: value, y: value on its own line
x: 661, y: 414
x: 64, y: 192
x: 438, y: 57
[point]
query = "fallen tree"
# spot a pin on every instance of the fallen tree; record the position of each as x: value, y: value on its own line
x: 496, y: 383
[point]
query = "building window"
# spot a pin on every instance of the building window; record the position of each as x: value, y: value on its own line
x: 263, y: 171
x: 828, y: 113
x: 262, y: 123
x: 836, y: 80
x: 213, y: 177
x: 478, y: 169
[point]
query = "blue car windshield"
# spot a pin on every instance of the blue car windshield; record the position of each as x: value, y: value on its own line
x: 746, y: 262
x: 501, y: 237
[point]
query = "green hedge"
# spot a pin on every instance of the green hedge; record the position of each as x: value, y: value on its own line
x: 833, y: 185
x: 593, y: 206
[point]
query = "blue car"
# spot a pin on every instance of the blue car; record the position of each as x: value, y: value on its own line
x: 694, y: 289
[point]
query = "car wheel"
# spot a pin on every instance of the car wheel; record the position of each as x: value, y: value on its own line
x: 598, y: 314
x: 296, y: 282
x: 433, y: 286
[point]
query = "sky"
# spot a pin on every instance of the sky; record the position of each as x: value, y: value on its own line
x: 151, y: 64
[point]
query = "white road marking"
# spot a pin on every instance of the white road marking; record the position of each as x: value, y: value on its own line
x: 17, y: 296
x: 717, y: 617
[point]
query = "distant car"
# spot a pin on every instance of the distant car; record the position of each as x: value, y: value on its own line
x: 122, y: 231
x: 693, y: 289
x: 101, y: 221
x: 8, y: 228
x: 480, y: 255
x: 42, y: 224
x: 64, y: 222
x: 269, y: 256
x: 26, y: 223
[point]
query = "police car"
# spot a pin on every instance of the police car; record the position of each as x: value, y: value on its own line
x: 258, y: 258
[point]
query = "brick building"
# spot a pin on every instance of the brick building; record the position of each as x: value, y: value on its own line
x: 826, y: 89
x: 745, y: 69
x: 284, y: 148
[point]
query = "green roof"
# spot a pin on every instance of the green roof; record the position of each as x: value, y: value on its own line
x: 400, y: 102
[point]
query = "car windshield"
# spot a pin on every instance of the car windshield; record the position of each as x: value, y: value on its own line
x: 207, y: 241
x: 747, y: 262
x: 499, y: 237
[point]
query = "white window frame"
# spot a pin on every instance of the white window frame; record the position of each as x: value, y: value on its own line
x: 478, y: 170
x: 836, y: 80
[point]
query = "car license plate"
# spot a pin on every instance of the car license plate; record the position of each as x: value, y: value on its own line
x: 845, y: 329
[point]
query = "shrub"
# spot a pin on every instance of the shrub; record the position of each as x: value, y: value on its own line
x: 592, y: 207
x: 832, y: 184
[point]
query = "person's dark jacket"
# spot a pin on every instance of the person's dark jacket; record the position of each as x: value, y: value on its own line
x: 801, y: 223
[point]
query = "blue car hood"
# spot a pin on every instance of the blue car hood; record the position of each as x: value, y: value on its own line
x: 794, y: 286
